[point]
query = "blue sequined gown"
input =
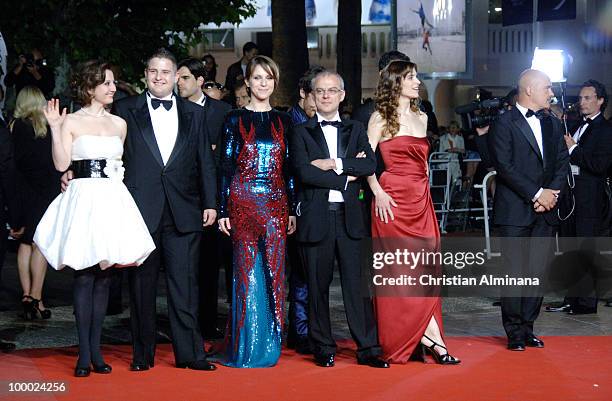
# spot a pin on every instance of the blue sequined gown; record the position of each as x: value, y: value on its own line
x: 256, y: 195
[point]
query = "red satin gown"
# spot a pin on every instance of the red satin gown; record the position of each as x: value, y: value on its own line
x: 402, y: 320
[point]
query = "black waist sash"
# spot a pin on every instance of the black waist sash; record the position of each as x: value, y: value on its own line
x: 88, y: 168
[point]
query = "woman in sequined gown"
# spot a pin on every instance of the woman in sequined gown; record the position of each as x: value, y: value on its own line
x: 255, y: 204
x: 403, y: 215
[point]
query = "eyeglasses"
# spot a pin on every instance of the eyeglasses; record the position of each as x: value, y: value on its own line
x: 211, y: 84
x: 330, y: 91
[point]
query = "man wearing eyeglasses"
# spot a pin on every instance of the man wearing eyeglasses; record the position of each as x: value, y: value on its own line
x: 329, y: 156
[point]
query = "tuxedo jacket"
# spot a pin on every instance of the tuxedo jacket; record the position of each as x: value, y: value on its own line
x: 593, y: 156
x: 521, y: 168
x: 10, y: 202
x: 308, y: 143
x: 188, y: 180
x: 214, y: 115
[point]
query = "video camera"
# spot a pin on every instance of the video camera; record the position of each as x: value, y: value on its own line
x: 479, y: 114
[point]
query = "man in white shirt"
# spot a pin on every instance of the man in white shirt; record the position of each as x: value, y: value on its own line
x: 531, y: 160
x: 170, y: 173
x: 329, y: 155
x: 191, y: 77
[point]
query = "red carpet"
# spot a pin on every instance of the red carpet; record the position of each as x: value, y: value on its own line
x: 569, y: 368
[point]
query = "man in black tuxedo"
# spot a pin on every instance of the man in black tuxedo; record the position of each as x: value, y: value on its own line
x: 9, y: 201
x: 531, y: 159
x: 590, y: 149
x: 329, y: 155
x: 237, y: 71
x: 170, y: 172
x: 191, y: 78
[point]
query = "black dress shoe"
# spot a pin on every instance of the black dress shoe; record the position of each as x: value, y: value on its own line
x: 103, y: 369
x: 325, y: 361
x: 6, y: 346
x: 213, y: 334
x: 373, y: 362
x: 302, y: 346
x: 535, y: 342
x: 82, y: 372
x: 139, y: 367
x: 516, y: 346
x: 558, y: 308
x: 196, y: 365
x: 576, y: 310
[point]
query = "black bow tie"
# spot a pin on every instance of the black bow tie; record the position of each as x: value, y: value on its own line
x: 336, y: 124
x: 155, y: 103
x: 586, y: 121
x: 538, y: 114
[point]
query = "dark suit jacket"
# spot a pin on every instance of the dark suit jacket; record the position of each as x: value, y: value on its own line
x: 521, y: 169
x: 594, y: 157
x: 187, y: 181
x: 307, y: 144
x: 214, y: 115
x: 233, y: 71
x: 9, y: 197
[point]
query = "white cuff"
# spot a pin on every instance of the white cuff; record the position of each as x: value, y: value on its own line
x: 339, y: 167
x: 537, y: 195
x: 572, y: 148
x: 346, y: 184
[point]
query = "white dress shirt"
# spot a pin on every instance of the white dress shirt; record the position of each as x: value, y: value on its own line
x: 331, y: 137
x: 580, y: 131
x: 536, y: 128
x: 165, y: 126
x: 202, y: 100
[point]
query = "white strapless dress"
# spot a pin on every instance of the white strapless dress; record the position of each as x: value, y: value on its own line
x: 95, y: 221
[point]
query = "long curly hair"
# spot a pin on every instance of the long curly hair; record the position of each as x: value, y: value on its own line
x: 388, y: 92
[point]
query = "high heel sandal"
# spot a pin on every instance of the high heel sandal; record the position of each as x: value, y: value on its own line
x: 26, y: 304
x: 36, y: 311
x: 446, y: 359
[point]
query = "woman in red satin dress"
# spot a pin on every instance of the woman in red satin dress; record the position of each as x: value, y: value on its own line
x: 403, y: 213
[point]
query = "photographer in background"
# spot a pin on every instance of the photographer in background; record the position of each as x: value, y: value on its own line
x: 31, y: 71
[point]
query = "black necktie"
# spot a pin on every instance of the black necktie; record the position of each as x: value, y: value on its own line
x: 538, y: 114
x: 155, y: 103
x: 336, y: 124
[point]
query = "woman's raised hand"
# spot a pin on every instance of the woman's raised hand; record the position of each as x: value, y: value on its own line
x: 55, y: 119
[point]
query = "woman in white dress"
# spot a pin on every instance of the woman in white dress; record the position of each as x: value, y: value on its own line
x: 95, y: 223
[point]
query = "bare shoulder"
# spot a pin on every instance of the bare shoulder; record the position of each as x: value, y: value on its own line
x: 118, y: 120
x: 376, y: 121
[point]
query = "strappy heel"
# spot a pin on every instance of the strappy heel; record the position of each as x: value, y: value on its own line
x: 36, y: 311
x: 26, y: 304
x: 445, y: 359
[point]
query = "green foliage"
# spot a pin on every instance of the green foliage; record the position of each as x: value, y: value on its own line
x: 121, y: 31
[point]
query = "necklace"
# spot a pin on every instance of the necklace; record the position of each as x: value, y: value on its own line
x: 93, y: 114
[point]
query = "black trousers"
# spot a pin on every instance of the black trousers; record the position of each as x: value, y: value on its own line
x: 209, y: 278
x: 578, y: 226
x: 525, y: 256
x: 180, y: 255
x: 319, y: 260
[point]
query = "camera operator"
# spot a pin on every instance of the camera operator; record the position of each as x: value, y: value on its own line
x: 590, y: 148
x: 31, y: 71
